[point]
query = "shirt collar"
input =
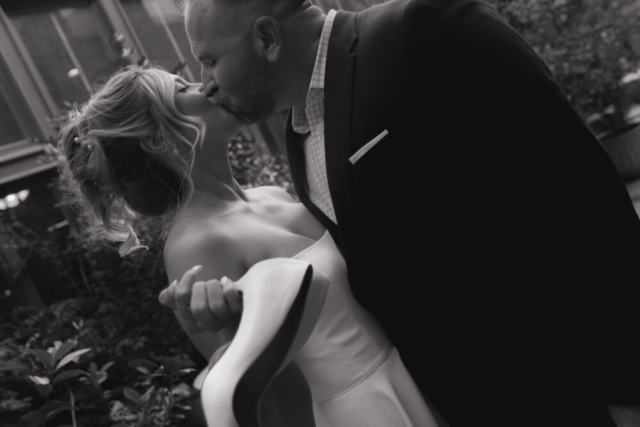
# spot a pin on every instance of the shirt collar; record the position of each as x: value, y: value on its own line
x: 316, y: 87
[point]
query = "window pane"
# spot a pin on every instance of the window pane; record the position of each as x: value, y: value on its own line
x: 10, y: 129
x: 89, y: 41
x: 70, y: 48
x: 161, y: 31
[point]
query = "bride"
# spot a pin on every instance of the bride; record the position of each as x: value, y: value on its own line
x: 148, y: 143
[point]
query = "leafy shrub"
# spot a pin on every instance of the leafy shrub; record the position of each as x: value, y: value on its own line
x: 77, y: 362
x: 589, y: 45
x: 70, y: 391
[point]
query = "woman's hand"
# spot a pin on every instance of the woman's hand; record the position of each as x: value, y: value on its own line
x: 203, y: 305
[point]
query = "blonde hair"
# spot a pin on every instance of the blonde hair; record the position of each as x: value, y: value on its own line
x: 122, y: 153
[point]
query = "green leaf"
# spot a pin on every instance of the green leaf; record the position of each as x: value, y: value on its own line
x: 50, y: 406
x: 14, y: 366
x: 174, y: 365
x: 78, y: 325
x: 44, y: 389
x: 39, y: 380
x: 53, y: 407
x: 35, y: 416
x: 181, y: 390
x: 69, y: 357
x: 93, y: 369
x: 143, y: 370
x: 65, y: 375
x: 106, y: 366
x: 28, y: 423
x: 102, y: 377
x: 133, y: 395
x: 42, y: 355
x: 62, y: 350
x: 144, y: 363
x: 183, y: 407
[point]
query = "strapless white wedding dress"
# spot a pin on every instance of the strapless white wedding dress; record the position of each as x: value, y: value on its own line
x: 356, y: 376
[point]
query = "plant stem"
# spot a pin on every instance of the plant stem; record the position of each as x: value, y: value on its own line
x: 167, y: 412
x: 73, y: 404
x: 84, y: 275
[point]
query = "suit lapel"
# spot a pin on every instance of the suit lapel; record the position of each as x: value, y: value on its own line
x: 337, y: 142
x: 337, y: 118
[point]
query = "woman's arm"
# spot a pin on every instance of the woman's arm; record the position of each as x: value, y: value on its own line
x: 218, y: 256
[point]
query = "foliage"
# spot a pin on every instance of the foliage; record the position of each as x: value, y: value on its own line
x: 165, y: 391
x: 253, y: 165
x: 589, y: 45
x: 70, y: 390
x: 114, y: 313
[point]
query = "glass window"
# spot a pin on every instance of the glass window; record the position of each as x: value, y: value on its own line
x: 10, y: 129
x: 70, y: 49
x: 160, y: 29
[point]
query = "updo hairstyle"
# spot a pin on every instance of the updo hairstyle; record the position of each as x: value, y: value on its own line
x: 122, y: 151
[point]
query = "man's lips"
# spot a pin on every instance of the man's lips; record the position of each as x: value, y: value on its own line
x: 211, y: 96
x: 223, y: 105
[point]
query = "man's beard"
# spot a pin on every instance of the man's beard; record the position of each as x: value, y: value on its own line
x: 258, y: 86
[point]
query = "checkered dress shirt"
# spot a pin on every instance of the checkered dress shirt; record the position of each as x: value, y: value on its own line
x: 311, y: 118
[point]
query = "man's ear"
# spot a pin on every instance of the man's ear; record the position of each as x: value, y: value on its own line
x: 267, y: 37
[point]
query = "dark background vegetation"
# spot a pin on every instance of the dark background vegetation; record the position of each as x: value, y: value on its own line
x: 590, y: 46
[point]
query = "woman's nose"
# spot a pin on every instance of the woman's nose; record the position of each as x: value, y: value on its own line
x: 208, y: 87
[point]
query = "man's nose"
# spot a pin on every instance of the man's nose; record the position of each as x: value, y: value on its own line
x: 208, y: 83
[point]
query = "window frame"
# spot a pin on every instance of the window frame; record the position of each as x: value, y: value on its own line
x: 27, y: 93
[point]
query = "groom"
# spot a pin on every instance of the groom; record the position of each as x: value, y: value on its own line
x: 482, y: 222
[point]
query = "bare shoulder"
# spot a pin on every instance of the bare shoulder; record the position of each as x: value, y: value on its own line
x: 272, y: 192
x: 198, y: 242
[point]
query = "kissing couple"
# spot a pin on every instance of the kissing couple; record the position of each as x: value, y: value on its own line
x: 463, y: 245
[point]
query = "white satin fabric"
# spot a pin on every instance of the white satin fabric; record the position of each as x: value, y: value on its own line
x: 355, y: 374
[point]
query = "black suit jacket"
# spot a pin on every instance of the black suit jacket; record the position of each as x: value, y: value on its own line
x: 488, y: 231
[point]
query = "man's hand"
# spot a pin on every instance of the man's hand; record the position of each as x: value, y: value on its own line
x: 203, y: 305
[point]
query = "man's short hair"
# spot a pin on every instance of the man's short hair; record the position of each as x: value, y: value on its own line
x: 285, y: 4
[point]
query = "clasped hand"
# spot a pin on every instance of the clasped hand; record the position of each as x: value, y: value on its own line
x: 203, y: 305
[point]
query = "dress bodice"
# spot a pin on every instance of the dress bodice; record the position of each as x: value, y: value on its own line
x: 347, y: 345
